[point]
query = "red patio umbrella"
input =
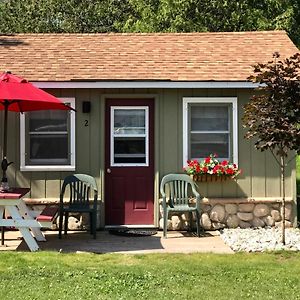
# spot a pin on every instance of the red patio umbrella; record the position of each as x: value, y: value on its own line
x: 18, y: 95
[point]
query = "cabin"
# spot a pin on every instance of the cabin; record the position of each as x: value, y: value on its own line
x: 145, y: 104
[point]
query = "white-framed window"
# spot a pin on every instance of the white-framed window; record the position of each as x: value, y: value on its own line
x: 47, y: 139
x: 210, y: 126
x: 129, y: 139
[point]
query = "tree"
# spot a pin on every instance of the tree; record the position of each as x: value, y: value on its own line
x: 71, y: 16
x: 212, y: 15
x: 272, y: 116
x: 79, y: 16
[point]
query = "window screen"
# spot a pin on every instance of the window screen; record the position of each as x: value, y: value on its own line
x: 209, y: 130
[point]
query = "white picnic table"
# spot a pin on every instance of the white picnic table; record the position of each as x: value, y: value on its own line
x: 21, y: 217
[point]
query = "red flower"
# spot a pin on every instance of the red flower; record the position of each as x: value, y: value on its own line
x: 205, y: 169
x: 224, y: 163
x: 207, y: 160
x: 229, y: 171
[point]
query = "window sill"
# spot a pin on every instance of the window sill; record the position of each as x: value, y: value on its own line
x: 47, y: 168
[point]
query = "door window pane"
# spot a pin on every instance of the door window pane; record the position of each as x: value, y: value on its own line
x: 129, y: 121
x: 129, y: 150
x: 129, y: 136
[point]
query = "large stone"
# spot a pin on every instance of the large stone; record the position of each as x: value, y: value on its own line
x: 288, y: 211
x: 246, y: 207
x: 261, y: 210
x: 257, y: 222
x: 74, y: 223
x: 245, y: 216
x: 276, y: 205
x: 176, y: 223
x: 278, y: 224
x: 269, y: 221
x: 231, y: 208
x: 275, y: 214
x: 217, y: 213
x: 185, y: 217
x: 218, y: 225
x: 232, y: 221
x: 161, y: 224
x: 206, y: 207
x: 244, y: 225
x: 205, y: 221
x: 288, y: 224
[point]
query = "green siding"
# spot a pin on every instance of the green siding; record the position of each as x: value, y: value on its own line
x: 260, y: 177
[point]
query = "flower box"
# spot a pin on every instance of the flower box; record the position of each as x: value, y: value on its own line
x: 210, y: 178
x: 211, y: 169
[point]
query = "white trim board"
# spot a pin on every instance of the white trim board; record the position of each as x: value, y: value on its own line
x: 230, y: 100
x: 145, y: 84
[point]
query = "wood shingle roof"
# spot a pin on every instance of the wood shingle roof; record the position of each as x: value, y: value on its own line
x: 142, y: 57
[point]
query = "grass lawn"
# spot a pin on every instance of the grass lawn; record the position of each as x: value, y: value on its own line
x: 47, y: 275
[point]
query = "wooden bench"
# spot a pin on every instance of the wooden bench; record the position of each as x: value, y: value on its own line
x: 46, y: 217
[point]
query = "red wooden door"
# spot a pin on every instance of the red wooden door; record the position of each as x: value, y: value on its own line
x: 129, y: 162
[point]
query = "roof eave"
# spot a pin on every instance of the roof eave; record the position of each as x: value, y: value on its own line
x: 90, y: 84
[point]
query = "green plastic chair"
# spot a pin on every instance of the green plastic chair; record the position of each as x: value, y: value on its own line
x: 175, y: 190
x: 80, y: 188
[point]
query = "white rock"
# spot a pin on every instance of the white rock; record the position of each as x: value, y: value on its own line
x: 243, y: 224
x: 232, y: 221
x: 205, y: 221
x: 74, y: 223
x: 217, y: 213
x: 231, y: 208
x: 275, y: 214
x: 261, y: 239
x: 257, y: 222
x: 176, y: 223
x: 184, y: 217
x: 161, y: 224
x: 269, y: 221
x: 261, y: 210
x: 245, y: 216
x: 246, y: 207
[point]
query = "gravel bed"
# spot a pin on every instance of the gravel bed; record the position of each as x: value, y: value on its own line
x: 261, y: 239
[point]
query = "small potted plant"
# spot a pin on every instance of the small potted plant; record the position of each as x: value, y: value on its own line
x: 211, y: 169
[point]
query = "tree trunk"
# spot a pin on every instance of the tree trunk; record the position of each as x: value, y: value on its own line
x: 282, y: 173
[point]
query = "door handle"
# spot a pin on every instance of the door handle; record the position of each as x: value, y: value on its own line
x: 108, y: 170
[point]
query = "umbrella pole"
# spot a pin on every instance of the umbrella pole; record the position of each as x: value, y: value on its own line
x: 4, y: 161
x: 5, y: 130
